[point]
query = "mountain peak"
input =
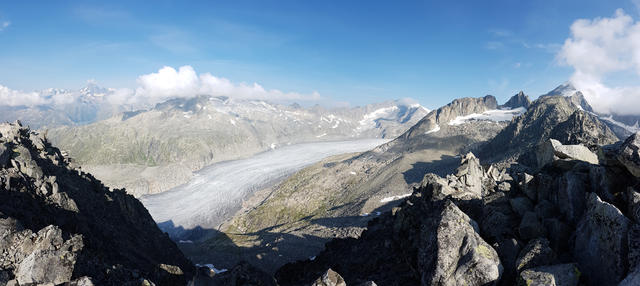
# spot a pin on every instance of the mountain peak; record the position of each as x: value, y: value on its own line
x: 518, y: 100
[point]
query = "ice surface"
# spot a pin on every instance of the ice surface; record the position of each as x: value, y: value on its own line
x: 393, y: 198
x: 216, y: 192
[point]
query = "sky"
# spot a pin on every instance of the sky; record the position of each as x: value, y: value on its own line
x: 329, y: 52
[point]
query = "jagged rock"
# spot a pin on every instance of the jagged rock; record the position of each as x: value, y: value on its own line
x: 601, y: 242
x: 585, y: 129
x: 504, y: 187
x: 521, y: 205
x: 329, y: 278
x: 470, y: 174
x: 552, y: 275
x: 368, y: 283
x: 84, y: 229
x: 570, y: 193
x: 460, y: 255
x: 530, y: 226
x: 82, y: 281
x: 536, y: 253
x: 629, y: 154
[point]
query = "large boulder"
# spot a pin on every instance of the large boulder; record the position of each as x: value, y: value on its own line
x: 552, y: 275
x: 470, y: 174
x: 601, y: 248
x: 629, y: 154
x: 458, y: 255
x: 552, y: 150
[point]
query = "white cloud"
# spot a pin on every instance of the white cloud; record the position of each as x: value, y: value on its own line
x: 12, y: 97
x: 185, y: 82
x: 600, y: 48
x: 4, y: 25
x: 157, y: 87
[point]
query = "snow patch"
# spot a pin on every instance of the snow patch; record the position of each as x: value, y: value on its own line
x: 633, y: 129
x: 393, y: 198
x: 321, y: 135
x: 496, y: 115
x: 434, y: 130
x: 352, y: 173
x: 273, y: 146
x: 233, y: 122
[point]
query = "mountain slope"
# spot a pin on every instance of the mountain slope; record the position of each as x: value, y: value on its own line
x: 336, y: 197
x: 59, y: 224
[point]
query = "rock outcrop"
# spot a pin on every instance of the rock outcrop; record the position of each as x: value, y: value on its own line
x: 60, y: 225
x: 572, y: 221
x: 518, y: 100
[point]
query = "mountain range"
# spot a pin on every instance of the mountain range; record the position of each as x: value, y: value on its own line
x: 541, y: 192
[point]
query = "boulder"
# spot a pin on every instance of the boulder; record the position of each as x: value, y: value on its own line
x: 552, y: 275
x: 456, y: 254
x: 558, y: 233
x: 470, y: 174
x: 545, y: 209
x: 552, y: 150
x: 508, y: 250
x: 536, y: 253
x: 329, y: 278
x: 530, y: 226
x: 629, y: 154
x: 634, y: 247
x: 5, y: 155
x: 601, y: 242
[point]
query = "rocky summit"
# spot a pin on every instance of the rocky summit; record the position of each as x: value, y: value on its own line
x: 573, y: 222
x: 59, y: 225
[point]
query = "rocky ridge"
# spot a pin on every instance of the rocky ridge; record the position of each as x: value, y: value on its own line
x: 60, y: 225
x: 572, y: 222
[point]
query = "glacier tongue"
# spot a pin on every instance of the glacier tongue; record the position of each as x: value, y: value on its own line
x: 217, y: 191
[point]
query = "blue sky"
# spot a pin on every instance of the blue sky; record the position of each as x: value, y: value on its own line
x: 352, y: 51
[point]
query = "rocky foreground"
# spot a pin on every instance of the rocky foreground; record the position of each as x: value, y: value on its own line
x: 59, y: 225
x: 572, y: 218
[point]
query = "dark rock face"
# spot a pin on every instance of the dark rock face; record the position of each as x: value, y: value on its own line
x: 583, y: 128
x: 601, y: 242
x: 518, y: 100
x: 60, y: 225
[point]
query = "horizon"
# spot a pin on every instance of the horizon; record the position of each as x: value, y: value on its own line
x: 332, y: 54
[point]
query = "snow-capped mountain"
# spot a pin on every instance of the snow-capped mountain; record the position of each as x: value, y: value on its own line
x: 162, y: 146
x: 622, y: 125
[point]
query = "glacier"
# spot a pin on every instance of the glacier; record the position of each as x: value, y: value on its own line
x: 216, y: 192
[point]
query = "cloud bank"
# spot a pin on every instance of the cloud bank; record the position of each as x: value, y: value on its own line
x: 601, y: 49
x: 157, y: 87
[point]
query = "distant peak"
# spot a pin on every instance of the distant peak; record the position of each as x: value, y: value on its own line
x: 518, y: 100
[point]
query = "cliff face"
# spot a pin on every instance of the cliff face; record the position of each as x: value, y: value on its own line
x: 59, y: 224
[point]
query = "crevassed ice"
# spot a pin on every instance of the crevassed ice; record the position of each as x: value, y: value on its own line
x: 496, y: 115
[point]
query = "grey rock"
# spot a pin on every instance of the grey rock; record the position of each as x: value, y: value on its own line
x: 570, y: 194
x: 601, y: 242
x: 536, y: 253
x: 525, y: 185
x: 368, y: 283
x: 470, y: 174
x: 329, y: 278
x: 629, y: 154
x: 82, y: 281
x: 508, y: 250
x: 521, y: 205
x: 530, y: 226
x: 5, y: 155
x: 633, y: 279
x: 504, y: 187
x: 552, y: 275
x: 462, y: 255
x: 552, y: 150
